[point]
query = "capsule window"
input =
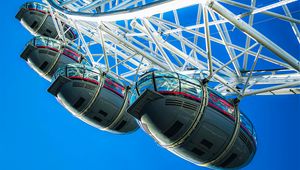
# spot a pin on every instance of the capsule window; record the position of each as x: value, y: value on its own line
x: 90, y: 87
x: 48, y: 31
x: 77, y: 84
x: 51, y: 53
x: 103, y: 113
x: 42, y: 51
x: 44, y: 65
x: 207, y: 143
x: 97, y: 119
x: 121, y: 125
x: 229, y: 160
x: 198, y: 152
x: 33, y: 24
x: 79, y: 103
x: 173, y: 129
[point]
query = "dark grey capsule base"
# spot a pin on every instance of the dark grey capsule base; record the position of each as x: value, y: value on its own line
x: 168, y: 119
x: 97, y: 107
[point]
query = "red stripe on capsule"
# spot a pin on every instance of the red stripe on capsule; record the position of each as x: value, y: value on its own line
x: 215, y: 98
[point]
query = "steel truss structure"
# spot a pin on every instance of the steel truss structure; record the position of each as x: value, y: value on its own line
x: 222, y: 41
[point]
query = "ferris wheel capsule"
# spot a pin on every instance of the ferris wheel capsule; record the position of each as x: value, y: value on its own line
x: 192, y: 121
x: 35, y: 17
x: 96, y: 98
x: 45, y: 55
x: 225, y: 43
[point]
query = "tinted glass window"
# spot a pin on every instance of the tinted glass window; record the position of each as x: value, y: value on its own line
x: 111, y: 85
x: 72, y: 54
x: 246, y: 123
x: 40, y: 42
x: 165, y: 74
x: 114, y: 79
x: 145, y: 83
x: 134, y: 95
x: 31, y: 5
x: 188, y: 79
x: 54, y: 44
x: 39, y: 7
x: 73, y: 71
x: 191, y: 89
x: 167, y: 84
x: 91, y: 75
x: 60, y: 71
x: 85, y: 62
x: 221, y: 103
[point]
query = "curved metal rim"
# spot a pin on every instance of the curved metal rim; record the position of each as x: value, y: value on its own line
x: 107, y: 16
x: 121, y: 111
x: 232, y: 141
x: 195, y: 123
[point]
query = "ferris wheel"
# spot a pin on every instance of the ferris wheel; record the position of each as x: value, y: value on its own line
x: 135, y: 36
x: 206, y: 49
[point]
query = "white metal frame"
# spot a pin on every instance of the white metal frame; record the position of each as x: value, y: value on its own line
x: 129, y: 37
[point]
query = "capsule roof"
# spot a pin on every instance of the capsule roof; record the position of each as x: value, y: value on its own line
x: 45, y: 55
x: 85, y: 71
x: 168, y: 74
x: 54, y: 44
x: 35, y: 5
x: 35, y: 17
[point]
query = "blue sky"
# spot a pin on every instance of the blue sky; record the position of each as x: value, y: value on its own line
x: 36, y: 132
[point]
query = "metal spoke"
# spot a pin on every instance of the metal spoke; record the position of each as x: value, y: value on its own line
x: 253, y: 67
x: 207, y: 42
x: 293, y: 25
x: 137, y: 35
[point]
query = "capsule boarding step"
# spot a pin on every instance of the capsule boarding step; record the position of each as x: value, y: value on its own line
x: 57, y: 85
x: 145, y: 98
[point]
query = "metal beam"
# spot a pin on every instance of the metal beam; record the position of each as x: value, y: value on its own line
x: 253, y: 67
x: 244, y: 27
x: 146, y: 24
x: 207, y: 41
x: 269, y: 89
x: 273, y: 14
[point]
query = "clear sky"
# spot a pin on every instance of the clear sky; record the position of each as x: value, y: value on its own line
x: 36, y: 132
